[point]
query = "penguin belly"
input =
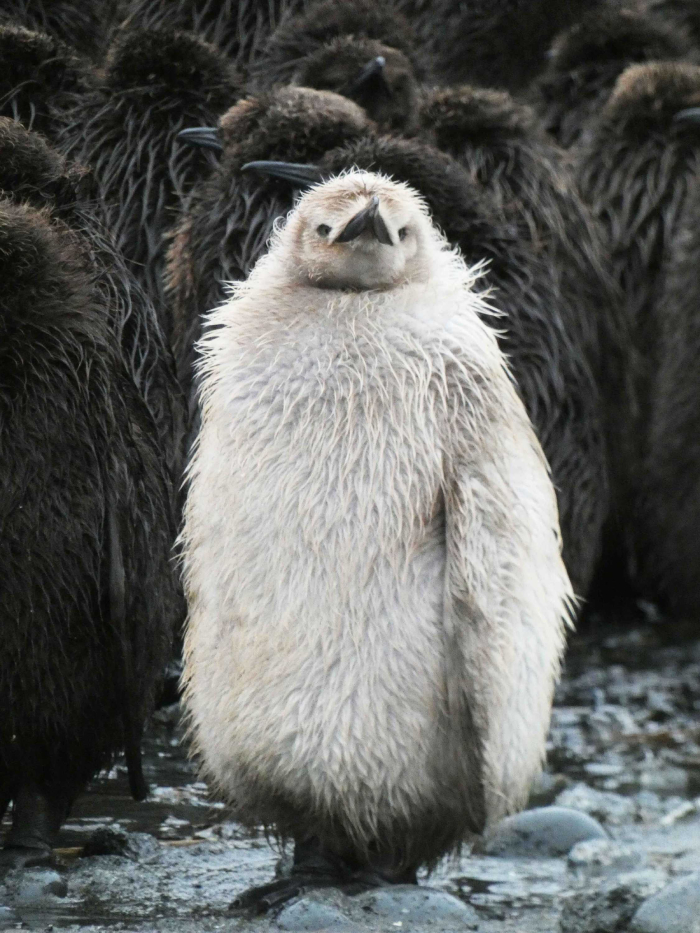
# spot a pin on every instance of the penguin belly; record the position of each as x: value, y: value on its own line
x: 315, y: 659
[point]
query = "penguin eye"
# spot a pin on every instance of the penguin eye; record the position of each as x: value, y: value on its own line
x: 403, y: 232
x: 323, y: 230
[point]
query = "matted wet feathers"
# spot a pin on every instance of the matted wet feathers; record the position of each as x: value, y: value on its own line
x: 684, y: 14
x: 87, y: 599
x: 84, y: 25
x: 155, y: 83
x: 231, y: 214
x: 493, y: 43
x: 503, y: 150
x: 39, y: 76
x: 33, y: 172
x: 307, y: 33
x: 669, y: 510
x: 635, y: 170
x: 239, y: 28
x: 586, y: 60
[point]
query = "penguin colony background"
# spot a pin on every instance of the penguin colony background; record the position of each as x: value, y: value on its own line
x: 434, y: 266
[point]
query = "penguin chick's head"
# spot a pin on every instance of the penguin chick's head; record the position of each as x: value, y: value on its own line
x: 359, y: 231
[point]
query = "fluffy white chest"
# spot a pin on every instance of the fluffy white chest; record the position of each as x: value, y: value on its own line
x: 316, y: 557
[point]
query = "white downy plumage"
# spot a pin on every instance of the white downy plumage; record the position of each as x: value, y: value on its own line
x: 377, y: 600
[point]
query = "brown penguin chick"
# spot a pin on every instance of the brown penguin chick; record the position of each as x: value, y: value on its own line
x: 306, y: 33
x: 545, y: 339
x: 87, y: 603
x: 684, y: 14
x: 493, y: 43
x: 84, y: 25
x: 378, y: 78
x: 239, y: 28
x: 503, y: 150
x: 669, y: 513
x: 155, y: 82
x: 634, y: 169
x: 39, y: 78
x: 231, y: 215
x: 586, y: 61
x: 377, y: 600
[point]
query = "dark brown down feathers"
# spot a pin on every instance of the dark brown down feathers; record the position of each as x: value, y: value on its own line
x: 88, y: 598
x: 156, y: 82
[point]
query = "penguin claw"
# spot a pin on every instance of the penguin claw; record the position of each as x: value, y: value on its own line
x: 268, y: 896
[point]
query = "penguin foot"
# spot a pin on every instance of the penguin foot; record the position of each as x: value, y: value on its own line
x: 18, y: 857
x: 270, y: 896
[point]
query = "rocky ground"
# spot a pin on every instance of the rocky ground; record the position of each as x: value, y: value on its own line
x: 611, y: 842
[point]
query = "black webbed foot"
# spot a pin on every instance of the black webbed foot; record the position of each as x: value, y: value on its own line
x: 316, y: 868
x: 36, y: 820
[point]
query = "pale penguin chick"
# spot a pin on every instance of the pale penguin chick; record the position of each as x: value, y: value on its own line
x: 377, y: 599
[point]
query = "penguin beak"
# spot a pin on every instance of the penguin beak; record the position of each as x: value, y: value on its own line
x: 206, y: 136
x: 368, y: 218
x: 302, y: 176
x: 372, y: 73
x: 690, y: 115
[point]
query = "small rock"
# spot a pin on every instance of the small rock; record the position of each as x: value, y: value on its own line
x: 36, y: 886
x: 609, y: 907
x: 543, y: 833
x: 314, y: 913
x: 613, y: 809
x: 675, y: 909
x: 602, y: 855
x: 106, y: 840
x: 408, y: 903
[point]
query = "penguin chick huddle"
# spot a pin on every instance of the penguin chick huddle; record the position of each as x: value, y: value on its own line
x: 392, y: 531
x: 356, y: 349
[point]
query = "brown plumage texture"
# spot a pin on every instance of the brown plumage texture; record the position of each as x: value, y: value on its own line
x: 87, y: 605
x: 635, y: 170
x: 230, y: 216
x: 156, y: 82
x: 239, y: 28
x: 308, y: 32
x: 494, y: 43
x: 670, y: 503
x: 84, y: 25
x: 39, y: 77
x: 682, y: 13
x: 586, y: 60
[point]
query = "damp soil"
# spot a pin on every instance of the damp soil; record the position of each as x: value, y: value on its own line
x: 624, y: 748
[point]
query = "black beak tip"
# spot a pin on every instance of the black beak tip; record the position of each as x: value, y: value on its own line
x: 301, y: 176
x: 205, y: 136
x: 689, y: 115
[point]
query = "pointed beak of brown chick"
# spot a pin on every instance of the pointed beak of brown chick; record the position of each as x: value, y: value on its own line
x: 689, y: 115
x: 371, y: 76
x: 301, y: 176
x: 369, y: 218
x: 205, y: 136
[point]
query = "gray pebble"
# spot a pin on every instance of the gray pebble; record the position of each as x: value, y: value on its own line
x: 675, y: 909
x: 36, y: 886
x: 600, y: 856
x: 613, y: 809
x: 408, y: 903
x: 314, y: 913
x: 543, y: 833
x: 609, y: 907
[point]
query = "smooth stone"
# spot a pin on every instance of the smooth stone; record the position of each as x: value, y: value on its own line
x: 311, y: 913
x: 408, y: 903
x: 609, y: 907
x: 547, y: 832
x: 35, y: 886
x: 675, y: 909
x: 603, y: 855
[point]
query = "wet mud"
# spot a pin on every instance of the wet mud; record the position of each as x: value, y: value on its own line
x: 624, y: 750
